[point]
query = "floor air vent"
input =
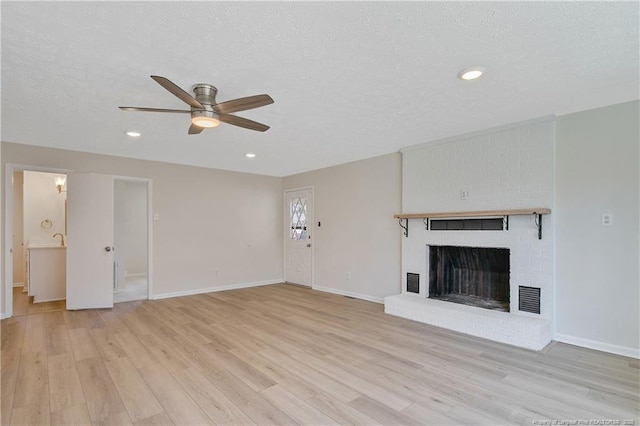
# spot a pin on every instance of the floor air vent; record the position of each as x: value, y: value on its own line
x: 413, y: 283
x: 529, y: 299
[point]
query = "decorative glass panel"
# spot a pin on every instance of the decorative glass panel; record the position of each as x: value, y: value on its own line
x: 298, y: 218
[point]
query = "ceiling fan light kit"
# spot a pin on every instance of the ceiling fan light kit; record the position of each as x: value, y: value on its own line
x: 205, y: 111
x: 205, y: 119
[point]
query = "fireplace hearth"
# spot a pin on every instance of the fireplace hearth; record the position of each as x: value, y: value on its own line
x: 473, y: 276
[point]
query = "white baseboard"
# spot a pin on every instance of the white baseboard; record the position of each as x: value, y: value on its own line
x: 18, y: 284
x: 349, y: 294
x: 4, y: 316
x: 48, y: 300
x: 599, y: 346
x: 213, y: 289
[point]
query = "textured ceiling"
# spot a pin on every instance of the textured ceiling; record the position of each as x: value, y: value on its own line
x: 350, y: 80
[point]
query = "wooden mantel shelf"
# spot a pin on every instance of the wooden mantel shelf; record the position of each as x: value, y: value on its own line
x: 485, y: 213
x: 426, y: 217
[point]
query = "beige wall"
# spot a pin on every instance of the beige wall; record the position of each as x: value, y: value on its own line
x: 355, y: 204
x: 216, y: 228
x: 130, y: 226
x: 597, y: 278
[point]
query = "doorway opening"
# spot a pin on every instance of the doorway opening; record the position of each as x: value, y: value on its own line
x: 130, y: 225
x: 15, y: 243
x: 35, y: 239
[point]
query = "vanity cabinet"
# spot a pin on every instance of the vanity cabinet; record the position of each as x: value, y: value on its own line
x: 47, y: 273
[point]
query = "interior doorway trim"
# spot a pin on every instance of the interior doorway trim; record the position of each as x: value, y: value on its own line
x: 10, y: 168
x: 149, y: 182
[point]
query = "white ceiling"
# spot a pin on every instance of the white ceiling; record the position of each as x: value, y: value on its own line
x: 350, y: 80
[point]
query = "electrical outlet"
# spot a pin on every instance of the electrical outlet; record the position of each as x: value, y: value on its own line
x: 464, y: 194
x: 607, y: 219
x: 156, y: 216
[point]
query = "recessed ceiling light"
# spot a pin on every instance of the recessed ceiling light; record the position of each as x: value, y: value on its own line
x: 134, y: 134
x: 471, y: 73
x: 249, y: 155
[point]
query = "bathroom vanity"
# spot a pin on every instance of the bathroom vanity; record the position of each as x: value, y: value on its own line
x: 47, y: 273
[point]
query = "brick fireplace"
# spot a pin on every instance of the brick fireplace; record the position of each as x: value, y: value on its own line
x: 510, y: 168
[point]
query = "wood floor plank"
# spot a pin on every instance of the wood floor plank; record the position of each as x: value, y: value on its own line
x: 340, y: 411
x: 381, y: 412
x: 32, y: 386
x: 135, y: 350
x: 296, y: 408
x: 106, y: 344
x: 75, y: 415
x: 175, y: 401
x: 65, y: 389
x: 81, y: 344
x: 211, y: 400
x: 9, y: 368
x: 58, y: 340
x: 364, y: 386
x: 13, y: 333
x: 284, y: 354
x: 161, y: 419
x: 249, y: 401
x: 323, y: 382
x: 36, y: 414
x: 134, y: 392
x: 102, y: 398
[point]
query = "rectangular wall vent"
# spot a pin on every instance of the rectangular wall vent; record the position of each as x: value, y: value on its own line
x: 529, y: 299
x: 481, y: 224
x: 413, y: 283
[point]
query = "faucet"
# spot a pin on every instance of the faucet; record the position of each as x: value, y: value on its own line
x: 61, y: 239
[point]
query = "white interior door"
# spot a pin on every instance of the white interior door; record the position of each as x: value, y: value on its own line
x: 89, y: 241
x: 298, y: 238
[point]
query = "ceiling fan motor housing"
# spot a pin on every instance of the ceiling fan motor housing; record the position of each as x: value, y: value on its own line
x: 205, y: 94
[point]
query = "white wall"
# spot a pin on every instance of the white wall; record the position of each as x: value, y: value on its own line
x: 42, y: 202
x: 216, y: 228
x: 355, y: 204
x: 19, y: 248
x: 501, y: 169
x: 597, y: 297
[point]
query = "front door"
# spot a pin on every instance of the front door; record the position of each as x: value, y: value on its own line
x: 89, y: 241
x: 298, y: 233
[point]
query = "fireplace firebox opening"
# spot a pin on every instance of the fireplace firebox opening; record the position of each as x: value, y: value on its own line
x: 475, y: 276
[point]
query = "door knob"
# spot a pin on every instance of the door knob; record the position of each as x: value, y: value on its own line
x: 308, y: 245
x: 107, y: 248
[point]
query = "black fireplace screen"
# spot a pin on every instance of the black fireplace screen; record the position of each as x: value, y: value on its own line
x: 477, y: 276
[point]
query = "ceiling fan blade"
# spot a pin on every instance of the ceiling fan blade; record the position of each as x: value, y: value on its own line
x: 126, y: 108
x: 243, y: 104
x: 243, y: 122
x: 194, y: 130
x: 177, y: 91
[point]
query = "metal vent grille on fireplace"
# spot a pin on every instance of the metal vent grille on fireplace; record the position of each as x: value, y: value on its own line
x: 529, y: 299
x: 413, y: 283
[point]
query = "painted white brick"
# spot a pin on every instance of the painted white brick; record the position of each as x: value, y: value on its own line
x: 505, y: 169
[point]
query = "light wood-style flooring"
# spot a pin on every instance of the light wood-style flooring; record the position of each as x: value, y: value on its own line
x: 283, y: 354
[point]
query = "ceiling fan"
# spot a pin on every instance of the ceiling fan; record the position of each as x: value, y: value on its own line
x: 205, y: 111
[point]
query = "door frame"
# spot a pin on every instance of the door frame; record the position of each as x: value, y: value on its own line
x: 287, y: 229
x: 149, y: 183
x: 9, y: 169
